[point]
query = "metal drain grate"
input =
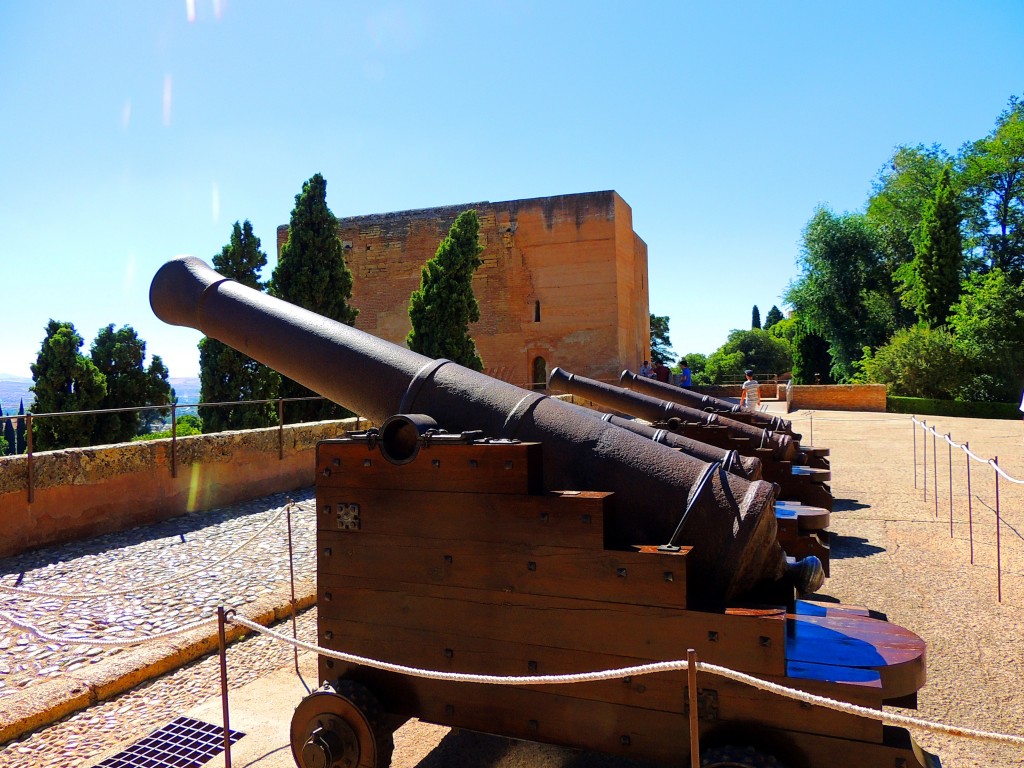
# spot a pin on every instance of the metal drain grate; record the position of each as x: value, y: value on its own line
x: 184, y: 743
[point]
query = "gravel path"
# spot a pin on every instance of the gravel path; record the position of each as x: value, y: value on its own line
x: 892, y: 551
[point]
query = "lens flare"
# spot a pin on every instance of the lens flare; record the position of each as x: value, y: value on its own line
x: 167, y: 99
x: 190, y: 10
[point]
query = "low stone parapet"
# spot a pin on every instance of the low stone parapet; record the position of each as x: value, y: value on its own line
x: 83, y: 492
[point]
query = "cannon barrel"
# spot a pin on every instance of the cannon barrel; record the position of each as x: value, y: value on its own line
x: 747, y: 467
x: 653, y: 409
x: 730, y: 522
x: 674, y: 394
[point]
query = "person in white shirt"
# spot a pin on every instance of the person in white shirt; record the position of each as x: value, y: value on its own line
x: 750, y: 395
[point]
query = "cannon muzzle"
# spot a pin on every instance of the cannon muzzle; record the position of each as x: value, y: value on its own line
x: 730, y: 524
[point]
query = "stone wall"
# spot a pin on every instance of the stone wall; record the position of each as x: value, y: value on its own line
x: 83, y: 492
x: 837, y: 397
x: 563, y: 281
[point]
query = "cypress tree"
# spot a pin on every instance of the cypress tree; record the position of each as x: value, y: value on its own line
x: 755, y: 318
x: 118, y: 355
x: 774, y: 315
x: 225, y: 374
x: 21, y: 444
x: 10, y: 439
x: 441, y: 310
x: 311, y: 272
x: 939, y: 254
x: 64, y: 380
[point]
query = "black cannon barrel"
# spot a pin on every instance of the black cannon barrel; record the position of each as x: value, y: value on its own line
x: 731, y: 524
x: 688, y: 397
x: 747, y: 467
x: 654, y: 409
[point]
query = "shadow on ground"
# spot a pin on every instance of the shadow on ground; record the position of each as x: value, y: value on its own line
x: 842, y: 547
x: 848, y: 505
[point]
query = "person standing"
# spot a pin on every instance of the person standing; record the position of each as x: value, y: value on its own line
x: 646, y: 371
x: 750, y: 395
x: 685, y: 377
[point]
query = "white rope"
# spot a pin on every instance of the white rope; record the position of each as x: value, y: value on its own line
x: 991, y: 462
x: 642, y: 669
x: 136, y: 640
x: 135, y: 590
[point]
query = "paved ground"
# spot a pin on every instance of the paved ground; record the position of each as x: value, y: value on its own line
x: 892, y: 551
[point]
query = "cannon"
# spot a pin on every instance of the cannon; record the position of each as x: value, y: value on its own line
x: 659, y: 389
x: 484, y: 529
x: 801, y: 474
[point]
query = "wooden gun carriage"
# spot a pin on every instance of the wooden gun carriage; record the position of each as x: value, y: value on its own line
x: 532, y: 539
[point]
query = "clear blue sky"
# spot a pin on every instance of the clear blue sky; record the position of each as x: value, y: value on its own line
x: 135, y: 131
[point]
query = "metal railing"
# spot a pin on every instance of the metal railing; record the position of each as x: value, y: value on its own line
x: 29, y: 417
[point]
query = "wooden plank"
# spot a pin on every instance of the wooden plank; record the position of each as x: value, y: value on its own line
x: 651, y: 578
x: 477, y: 467
x: 551, y: 713
x: 807, y: 517
x: 568, y: 518
x: 860, y: 641
x: 752, y: 642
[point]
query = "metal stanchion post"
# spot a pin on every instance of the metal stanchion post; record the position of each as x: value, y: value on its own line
x: 999, y: 552
x: 913, y: 425
x: 295, y: 607
x: 970, y: 501
x: 935, y: 469
x: 691, y: 675
x: 950, y: 445
x: 221, y: 618
x: 924, y: 462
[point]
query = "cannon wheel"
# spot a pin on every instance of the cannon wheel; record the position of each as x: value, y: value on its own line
x: 341, y: 727
x: 729, y: 756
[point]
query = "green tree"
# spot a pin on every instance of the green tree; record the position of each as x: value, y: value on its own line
x: 755, y: 318
x: 119, y: 356
x: 812, y: 363
x: 9, y: 446
x: 993, y: 173
x: 901, y: 189
x: 225, y: 374
x: 756, y: 349
x: 723, y: 366
x: 311, y: 272
x: 661, y: 345
x: 64, y: 381
x: 917, y: 362
x: 441, y: 310
x: 844, y: 292
x: 988, y: 323
x: 774, y: 316
x: 939, y: 255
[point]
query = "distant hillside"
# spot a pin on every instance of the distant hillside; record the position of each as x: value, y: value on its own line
x: 14, y: 390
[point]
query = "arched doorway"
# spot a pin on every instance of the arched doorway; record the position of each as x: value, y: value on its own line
x: 540, y: 373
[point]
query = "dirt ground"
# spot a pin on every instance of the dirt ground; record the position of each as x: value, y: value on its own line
x: 892, y: 551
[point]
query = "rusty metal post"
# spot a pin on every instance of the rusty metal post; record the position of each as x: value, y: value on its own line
x: 924, y: 462
x: 950, y: 446
x: 970, y: 501
x: 221, y: 618
x: 28, y: 453
x: 294, y: 602
x: 691, y: 676
x: 174, y: 439
x: 913, y: 424
x: 999, y: 551
x: 812, y: 428
x: 280, y: 428
x: 935, y: 469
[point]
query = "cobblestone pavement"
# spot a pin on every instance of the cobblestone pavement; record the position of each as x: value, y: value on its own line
x: 187, y: 552
x: 104, y: 729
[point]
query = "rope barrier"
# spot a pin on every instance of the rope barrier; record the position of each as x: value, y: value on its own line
x: 642, y: 669
x: 137, y: 640
x: 968, y: 451
x: 135, y: 590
